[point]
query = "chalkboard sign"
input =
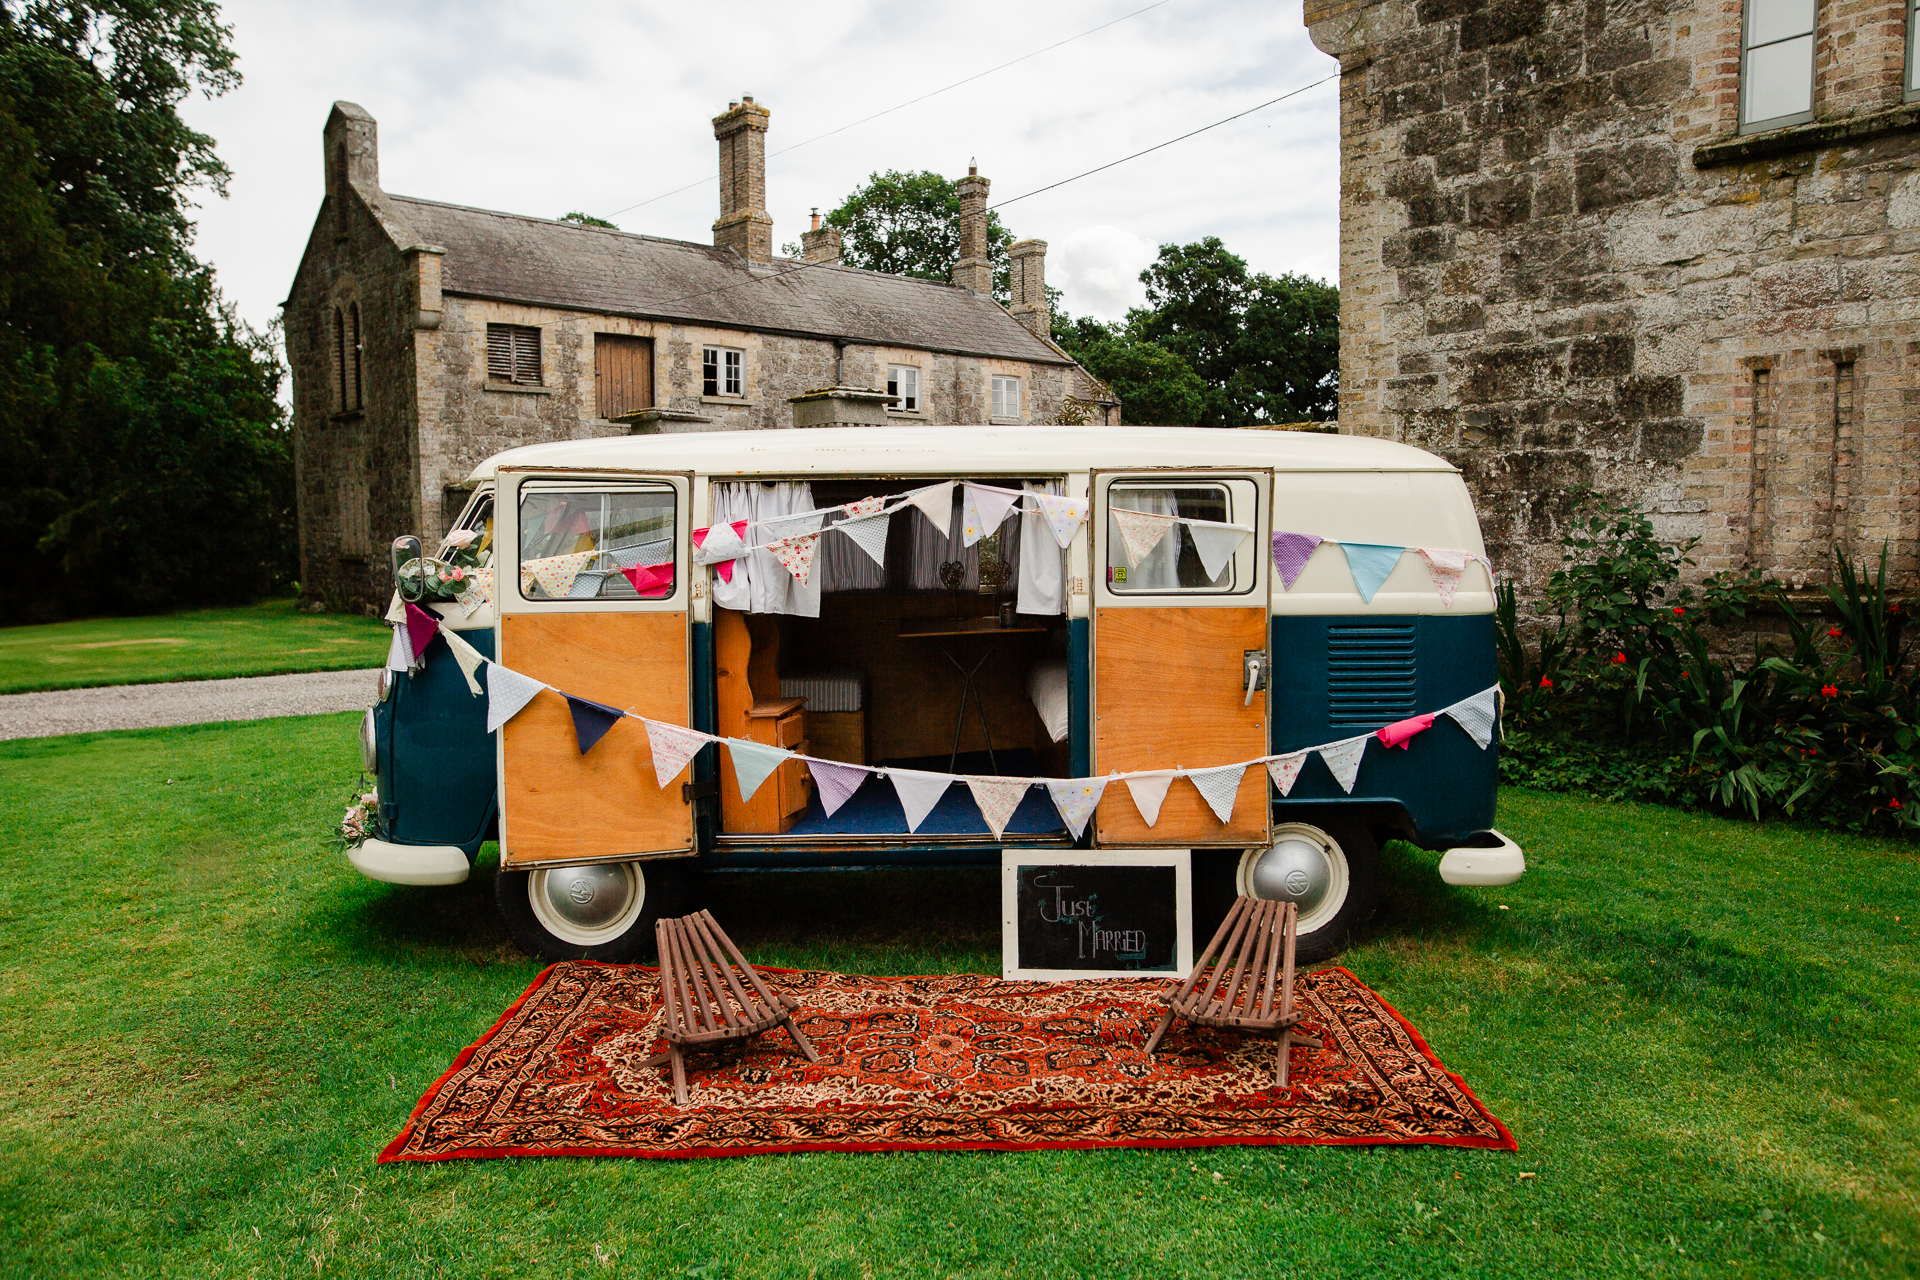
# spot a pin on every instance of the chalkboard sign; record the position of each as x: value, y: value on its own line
x: 1096, y: 914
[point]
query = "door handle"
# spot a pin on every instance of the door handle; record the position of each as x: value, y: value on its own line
x: 1255, y: 664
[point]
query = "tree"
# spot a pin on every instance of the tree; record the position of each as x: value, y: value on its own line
x: 587, y: 220
x: 908, y: 224
x: 1155, y: 386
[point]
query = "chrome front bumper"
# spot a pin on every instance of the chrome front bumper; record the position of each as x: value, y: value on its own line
x: 1495, y: 865
x: 409, y: 863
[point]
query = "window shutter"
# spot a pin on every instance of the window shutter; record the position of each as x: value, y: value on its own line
x: 526, y: 356
x: 499, y: 353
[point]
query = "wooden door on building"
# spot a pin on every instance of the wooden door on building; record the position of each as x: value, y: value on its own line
x: 622, y: 374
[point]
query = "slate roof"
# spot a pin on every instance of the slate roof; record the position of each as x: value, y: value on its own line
x: 562, y: 264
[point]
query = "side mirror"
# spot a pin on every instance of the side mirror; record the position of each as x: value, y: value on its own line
x: 409, y: 574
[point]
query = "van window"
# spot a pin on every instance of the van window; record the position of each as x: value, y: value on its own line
x: 1174, y: 563
x: 618, y: 527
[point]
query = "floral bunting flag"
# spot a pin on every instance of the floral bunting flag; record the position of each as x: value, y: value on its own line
x: 652, y: 580
x: 467, y: 656
x: 1476, y: 715
x: 421, y: 627
x: 1218, y: 787
x: 869, y: 534
x: 1149, y: 792
x: 672, y: 746
x: 919, y: 792
x: 1140, y: 533
x: 796, y: 555
x: 1343, y: 759
x: 1063, y: 516
x: 507, y: 693
x: 997, y: 798
x: 400, y: 652
x: 1445, y: 568
x: 1076, y: 799
x: 1401, y: 732
x: 1371, y: 563
x: 1216, y: 543
x: 754, y: 763
x: 936, y: 504
x: 555, y: 574
x: 866, y: 507
x: 479, y: 593
x: 836, y: 782
x: 591, y: 720
x: 1290, y: 554
x: 981, y: 512
x: 1285, y: 770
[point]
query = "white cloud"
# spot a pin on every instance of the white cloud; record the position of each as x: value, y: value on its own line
x: 1097, y: 270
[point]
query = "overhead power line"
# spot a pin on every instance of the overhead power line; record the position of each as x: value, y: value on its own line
x: 904, y: 105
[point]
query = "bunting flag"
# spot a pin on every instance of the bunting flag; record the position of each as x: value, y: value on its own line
x: 918, y: 792
x: 720, y: 543
x: 936, y: 504
x: 466, y: 655
x: 1400, y: 732
x: 796, y: 555
x: 1370, y: 563
x: 1216, y: 543
x: 1343, y: 759
x: 421, y: 627
x: 650, y: 579
x: 396, y: 609
x: 507, y: 692
x: 1150, y: 791
x: 1285, y: 770
x: 659, y: 551
x: 591, y: 720
x: 1075, y: 799
x: 1445, y: 568
x: 1477, y: 715
x: 981, y: 511
x: 866, y: 507
x: 1063, y: 516
x: 793, y: 526
x: 869, y: 534
x: 400, y: 652
x: 997, y: 798
x: 835, y: 782
x: 555, y: 574
x: 672, y: 746
x: 1290, y: 552
x: 1218, y: 787
x: 1140, y: 532
x: 754, y: 763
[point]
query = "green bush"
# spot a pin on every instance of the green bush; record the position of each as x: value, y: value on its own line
x: 1621, y: 691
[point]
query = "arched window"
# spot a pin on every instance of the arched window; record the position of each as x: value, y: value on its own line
x: 340, y: 402
x: 353, y: 316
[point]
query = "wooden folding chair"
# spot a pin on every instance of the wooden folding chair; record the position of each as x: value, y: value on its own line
x: 707, y: 1001
x: 1250, y: 954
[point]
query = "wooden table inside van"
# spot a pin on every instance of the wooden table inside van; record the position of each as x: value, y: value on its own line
x: 959, y: 628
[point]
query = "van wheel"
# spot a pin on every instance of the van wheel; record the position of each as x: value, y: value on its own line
x: 602, y: 911
x: 1330, y: 867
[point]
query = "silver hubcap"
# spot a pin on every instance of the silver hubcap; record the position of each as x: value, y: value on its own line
x: 588, y: 905
x: 1304, y: 865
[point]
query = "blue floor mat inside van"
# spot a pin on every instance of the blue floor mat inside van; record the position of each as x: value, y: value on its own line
x: 874, y: 810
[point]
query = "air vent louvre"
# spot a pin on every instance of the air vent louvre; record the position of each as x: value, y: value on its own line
x: 1370, y: 675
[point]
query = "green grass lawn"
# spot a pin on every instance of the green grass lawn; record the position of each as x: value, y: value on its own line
x: 265, y: 639
x: 1703, y: 1035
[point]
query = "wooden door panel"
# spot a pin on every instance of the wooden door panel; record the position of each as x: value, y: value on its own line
x: 1168, y: 693
x: 623, y: 373
x: 558, y: 805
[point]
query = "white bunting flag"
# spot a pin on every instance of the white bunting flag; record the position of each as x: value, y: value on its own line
x: 1343, y: 758
x: 672, y: 746
x: 796, y: 555
x: 1140, y: 532
x: 936, y: 504
x: 919, y: 792
x: 1445, y: 568
x: 467, y: 656
x: 1285, y: 770
x: 1063, y: 516
x: 722, y: 543
x: 507, y: 692
x: 397, y: 610
x: 400, y: 653
x: 555, y: 574
x: 981, y: 512
x: 836, y: 782
x: 1216, y: 543
x: 1076, y: 799
x: 794, y: 525
x: 997, y: 798
x: 1477, y: 715
x: 1150, y: 792
x: 754, y: 763
x: 870, y: 535
x: 1218, y: 787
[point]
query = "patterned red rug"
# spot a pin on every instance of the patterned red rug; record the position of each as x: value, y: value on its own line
x: 942, y: 1063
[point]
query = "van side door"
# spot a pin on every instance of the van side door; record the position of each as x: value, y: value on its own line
x: 569, y: 617
x: 1173, y: 646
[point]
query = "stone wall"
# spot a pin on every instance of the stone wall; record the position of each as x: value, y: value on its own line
x: 1561, y: 266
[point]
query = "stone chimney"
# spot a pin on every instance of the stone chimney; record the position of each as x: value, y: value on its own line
x: 974, y: 270
x: 1027, y: 265
x: 820, y: 244
x: 352, y: 143
x: 744, y: 225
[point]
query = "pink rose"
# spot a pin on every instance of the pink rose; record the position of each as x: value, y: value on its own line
x: 459, y: 574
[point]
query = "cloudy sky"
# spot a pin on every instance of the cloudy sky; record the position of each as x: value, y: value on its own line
x: 601, y: 105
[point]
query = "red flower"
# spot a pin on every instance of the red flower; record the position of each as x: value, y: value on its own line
x: 1619, y: 657
x: 1828, y: 691
x: 1894, y: 803
x: 1683, y: 675
x: 1834, y: 632
x: 1545, y: 683
x: 1678, y: 612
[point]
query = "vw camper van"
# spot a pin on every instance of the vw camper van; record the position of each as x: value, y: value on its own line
x: 1039, y: 603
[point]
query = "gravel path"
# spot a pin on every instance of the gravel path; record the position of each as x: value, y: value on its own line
x: 146, y: 706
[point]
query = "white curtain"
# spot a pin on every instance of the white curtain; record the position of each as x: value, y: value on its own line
x: 1159, y: 569
x: 761, y: 584
x: 842, y: 566
x: 1043, y: 561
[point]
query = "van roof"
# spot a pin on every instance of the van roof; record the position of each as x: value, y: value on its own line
x: 972, y: 451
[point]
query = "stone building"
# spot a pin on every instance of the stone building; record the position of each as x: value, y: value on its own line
x: 423, y: 337
x: 1662, y: 247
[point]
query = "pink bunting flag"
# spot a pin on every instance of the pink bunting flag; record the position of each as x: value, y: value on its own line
x: 1399, y: 732
x: 981, y: 511
x: 1445, y: 567
x: 1149, y: 791
x: 836, y: 782
x: 796, y: 555
x: 1285, y: 770
x: 1290, y: 554
x: 997, y: 798
x: 1140, y: 533
x: 1343, y: 759
x: 652, y: 580
x: 672, y: 747
x: 1076, y: 799
x: 421, y: 627
x: 1218, y: 787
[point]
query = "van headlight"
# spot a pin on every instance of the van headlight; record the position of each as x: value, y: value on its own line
x: 383, y: 685
x: 369, y: 744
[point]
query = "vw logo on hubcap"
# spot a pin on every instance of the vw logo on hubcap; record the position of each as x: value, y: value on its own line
x: 581, y: 892
x: 1297, y: 882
